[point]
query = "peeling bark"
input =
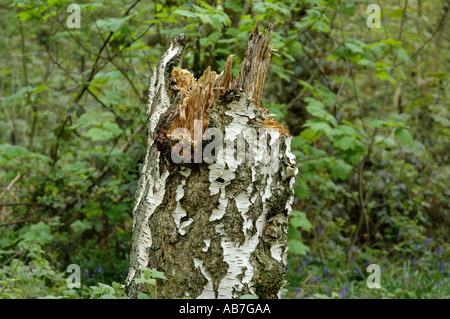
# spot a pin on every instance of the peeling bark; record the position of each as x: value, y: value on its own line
x: 216, y: 227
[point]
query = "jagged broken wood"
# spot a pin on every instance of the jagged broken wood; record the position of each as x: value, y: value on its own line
x: 217, y: 227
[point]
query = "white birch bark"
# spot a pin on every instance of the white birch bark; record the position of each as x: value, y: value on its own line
x: 217, y: 230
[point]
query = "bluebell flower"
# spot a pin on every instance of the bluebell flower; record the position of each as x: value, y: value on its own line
x: 414, y: 261
x: 86, y: 272
x: 124, y: 273
x: 298, y: 289
x: 287, y: 268
x: 318, y: 279
x: 309, y: 296
x: 441, y: 266
x: 355, y: 271
x: 99, y: 270
x: 439, y: 251
x: 326, y: 272
x: 368, y: 262
x: 344, y: 291
x: 299, y: 270
x: 319, y: 230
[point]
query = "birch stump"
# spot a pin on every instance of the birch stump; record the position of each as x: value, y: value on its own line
x: 216, y: 185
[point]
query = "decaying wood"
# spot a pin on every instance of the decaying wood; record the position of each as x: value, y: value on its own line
x: 217, y: 230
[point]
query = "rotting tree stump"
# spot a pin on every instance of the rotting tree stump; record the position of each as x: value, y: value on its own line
x: 216, y: 185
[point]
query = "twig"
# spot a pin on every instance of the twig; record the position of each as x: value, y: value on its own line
x: 363, y: 213
x: 21, y: 204
x: 16, y: 222
x: 85, y: 87
x: 10, y: 185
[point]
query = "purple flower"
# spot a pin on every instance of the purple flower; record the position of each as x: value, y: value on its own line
x: 287, y: 268
x: 344, y: 291
x: 326, y: 272
x: 414, y: 261
x: 99, y: 270
x: 441, y: 266
x: 124, y: 273
x: 309, y: 296
x: 318, y: 279
x: 428, y: 241
x: 319, y: 230
x: 86, y: 272
x: 439, y: 251
x: 298, y: 289
x: 368, y: 262
x: 299, y: 270
x: 420, y: 286
x: 355, y: 271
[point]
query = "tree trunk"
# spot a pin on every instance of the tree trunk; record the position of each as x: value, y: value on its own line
x: 212, y: 214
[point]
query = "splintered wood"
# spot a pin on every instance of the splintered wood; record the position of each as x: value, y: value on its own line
x: 201, y: 93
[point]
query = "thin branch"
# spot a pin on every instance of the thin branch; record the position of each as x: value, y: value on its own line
x: 16, y: 222
x: 10, y: 185
x: 363, y: 212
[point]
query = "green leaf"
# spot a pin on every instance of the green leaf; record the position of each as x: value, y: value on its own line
x: 440, y: 119
x: 401, y: 53
x: 345, y: 143
x: 157, y: 274
x: 341, y: 170
x: 299, y: 219
x: 185, y: 13
x: 302, y: 190
x: 404, y: 136
x: 79, y: 226
x: 111, y: 24
x: 297, y: 247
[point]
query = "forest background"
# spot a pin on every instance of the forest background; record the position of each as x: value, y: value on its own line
x: 368, y: 109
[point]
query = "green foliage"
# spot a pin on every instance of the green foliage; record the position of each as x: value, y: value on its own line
x: 149, y: 279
